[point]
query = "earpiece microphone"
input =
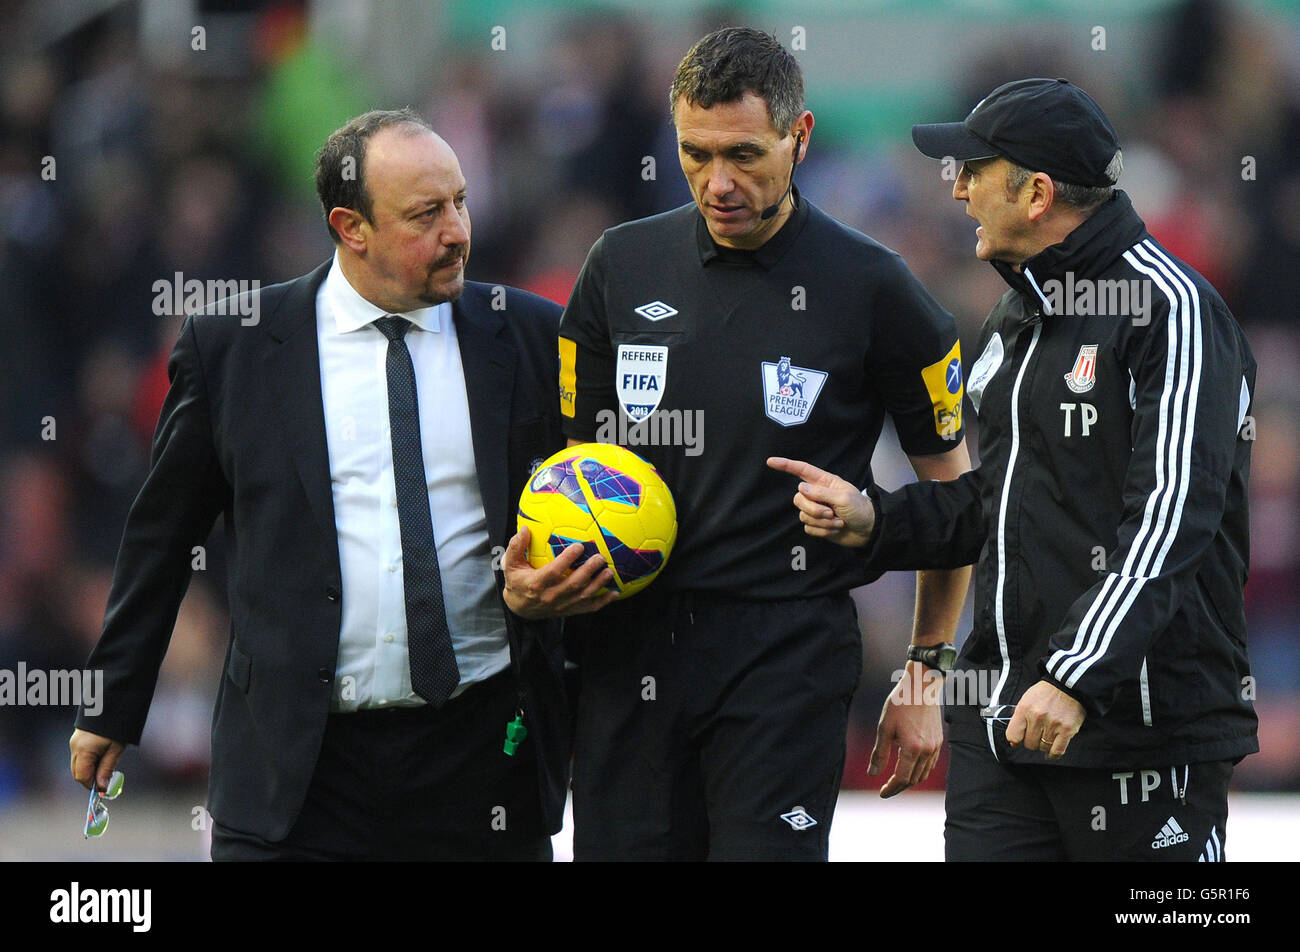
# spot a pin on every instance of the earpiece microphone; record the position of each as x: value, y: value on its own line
x: 773, y: 209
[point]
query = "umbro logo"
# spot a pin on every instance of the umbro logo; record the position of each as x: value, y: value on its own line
x: 798, y: 819
x: 1171, y: 834
x: 656, y: 311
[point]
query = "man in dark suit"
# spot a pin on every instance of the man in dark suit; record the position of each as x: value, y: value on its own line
x: 370, y: 408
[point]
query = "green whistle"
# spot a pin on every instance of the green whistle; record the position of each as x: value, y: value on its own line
x: 515, y: 734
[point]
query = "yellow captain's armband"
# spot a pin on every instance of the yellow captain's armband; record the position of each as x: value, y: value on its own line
x: 943, y: 381
x: 568, y: 377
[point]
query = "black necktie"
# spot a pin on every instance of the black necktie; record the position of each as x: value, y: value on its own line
x: 434, y: 674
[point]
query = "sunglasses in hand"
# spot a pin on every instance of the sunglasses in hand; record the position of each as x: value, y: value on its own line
x: 97, y: 811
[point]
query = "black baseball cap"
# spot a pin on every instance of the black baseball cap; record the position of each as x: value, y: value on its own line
x: 1044, y: 125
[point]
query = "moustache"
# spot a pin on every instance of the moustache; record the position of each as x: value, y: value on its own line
x: 450, y: 258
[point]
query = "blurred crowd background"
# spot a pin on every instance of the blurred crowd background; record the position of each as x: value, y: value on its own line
x: 182, y: 135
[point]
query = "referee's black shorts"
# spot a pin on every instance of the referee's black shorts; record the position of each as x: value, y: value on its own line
x: 711, y: 728
x: 1047, y: 813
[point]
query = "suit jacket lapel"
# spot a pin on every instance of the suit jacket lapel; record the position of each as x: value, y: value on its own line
x: 293, y: 366
x: 487, y: 355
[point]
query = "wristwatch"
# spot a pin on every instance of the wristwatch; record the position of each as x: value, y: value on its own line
x: 940, y: 657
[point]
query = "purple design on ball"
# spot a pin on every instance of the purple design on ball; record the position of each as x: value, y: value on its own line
x: 609, y: 485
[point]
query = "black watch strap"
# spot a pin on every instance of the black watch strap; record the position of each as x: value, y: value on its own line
x: 940, y: 657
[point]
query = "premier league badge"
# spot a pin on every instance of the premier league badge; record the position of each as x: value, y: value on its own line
x: 1084, y: 374
x: 789, y: 392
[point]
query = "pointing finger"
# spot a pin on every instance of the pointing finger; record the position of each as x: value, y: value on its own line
x: 796, y: 467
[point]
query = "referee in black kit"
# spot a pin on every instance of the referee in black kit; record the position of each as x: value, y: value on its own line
x: 712, y: 717
x: 1108, y: 513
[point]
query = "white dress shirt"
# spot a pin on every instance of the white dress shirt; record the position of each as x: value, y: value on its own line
x: 373, y: 666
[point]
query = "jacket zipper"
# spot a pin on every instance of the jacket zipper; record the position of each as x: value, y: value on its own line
x: 1145, y: 686
x: 999, y: 615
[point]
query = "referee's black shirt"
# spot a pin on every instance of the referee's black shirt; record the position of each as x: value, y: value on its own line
x: 797, y: 349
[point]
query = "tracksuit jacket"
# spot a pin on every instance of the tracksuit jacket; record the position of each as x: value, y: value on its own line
x: 1108, y: 515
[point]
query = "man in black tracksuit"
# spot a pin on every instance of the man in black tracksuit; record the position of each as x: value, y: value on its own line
x: 1105, y: 693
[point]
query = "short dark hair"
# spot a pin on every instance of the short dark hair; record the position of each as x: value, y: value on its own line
x: 345, y: 151
x: 730, y: 62
x: 1085, y: 198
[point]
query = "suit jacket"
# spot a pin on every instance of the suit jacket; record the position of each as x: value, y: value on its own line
x: 242, y: 433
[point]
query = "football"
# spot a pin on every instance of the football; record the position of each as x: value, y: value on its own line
x: 610, y: 500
